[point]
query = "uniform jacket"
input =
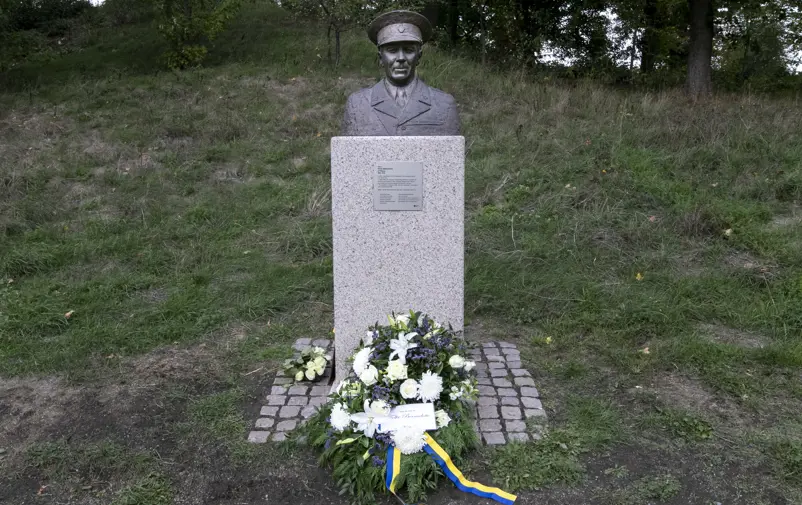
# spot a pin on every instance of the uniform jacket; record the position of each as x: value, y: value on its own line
x: 372, y: 112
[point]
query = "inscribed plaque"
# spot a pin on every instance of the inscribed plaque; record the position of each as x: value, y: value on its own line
x: 398, y: 185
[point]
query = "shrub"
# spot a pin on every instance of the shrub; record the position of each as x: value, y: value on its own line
x: 123, y: 12
x: 189, y: 25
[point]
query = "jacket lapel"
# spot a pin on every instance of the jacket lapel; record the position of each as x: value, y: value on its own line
x: 419, y: 103
x: 384, y: 107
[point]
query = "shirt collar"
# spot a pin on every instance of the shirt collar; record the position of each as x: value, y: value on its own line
x: 392, y: 90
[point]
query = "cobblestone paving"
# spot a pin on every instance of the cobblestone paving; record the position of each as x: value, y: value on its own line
x: 507, y: 398
x: 288, y: 404
x: 507, y: 395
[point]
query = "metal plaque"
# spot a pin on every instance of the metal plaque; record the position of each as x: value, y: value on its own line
x: 398, y: 185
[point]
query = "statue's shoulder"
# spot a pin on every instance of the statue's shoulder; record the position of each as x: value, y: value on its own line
x: 440, y: 96
x: 360, y: 94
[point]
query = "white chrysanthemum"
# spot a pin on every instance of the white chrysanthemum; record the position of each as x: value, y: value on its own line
x: 396, y: 370
x: 318, y: 351
x: 409, y: 441
x: 310, y: 374
x: 362, y: 360
x: 442, y: 418
x: 340, y: 418
x: 469, y: 365
x: 456, y: 361
x: 369, y: 375
x: 299, y: 376
x: 431, y: 385
x: 409, y: 389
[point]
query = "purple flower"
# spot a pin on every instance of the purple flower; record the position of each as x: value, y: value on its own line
x: 377, y: 461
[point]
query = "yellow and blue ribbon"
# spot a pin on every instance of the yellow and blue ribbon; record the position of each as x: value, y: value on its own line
x: 441, y: 457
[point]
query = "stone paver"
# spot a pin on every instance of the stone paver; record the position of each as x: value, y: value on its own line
x: 258, y: 437
x: 265, y: 422
x: 490, y: 425
x: 507, y: 395
x: 532, y: 403
x: 488, y: 412
x: 494, y: 438
x: 268, y: 411
x: 301, y: 401
x: 287, y: 425
x: 511, y: 412
x: 512, y: 426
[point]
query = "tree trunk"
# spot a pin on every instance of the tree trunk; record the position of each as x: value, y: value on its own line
x: 453, y: 21
x: 650, y: 40
x: 337, y: 32
x: 700, y: 50
x: 328, y: 44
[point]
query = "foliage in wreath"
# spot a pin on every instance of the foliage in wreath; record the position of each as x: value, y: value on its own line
x: 413, y: 359
x: 310, y: 365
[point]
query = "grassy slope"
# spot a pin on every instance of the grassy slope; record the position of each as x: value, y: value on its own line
x: 164, y: 207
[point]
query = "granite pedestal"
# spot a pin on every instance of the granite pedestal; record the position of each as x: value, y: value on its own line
x: 395, y: 260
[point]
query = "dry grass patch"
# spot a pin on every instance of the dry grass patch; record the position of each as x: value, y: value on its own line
x: 721, y: 334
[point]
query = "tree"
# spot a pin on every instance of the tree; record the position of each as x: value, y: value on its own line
x: 700, y: 48
x: 189, y: 25
x: 342, y: 15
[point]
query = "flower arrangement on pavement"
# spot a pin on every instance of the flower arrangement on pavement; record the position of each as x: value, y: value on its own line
x: 412, y: 360
x: 309, y: 366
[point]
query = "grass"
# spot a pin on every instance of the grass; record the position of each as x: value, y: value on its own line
x: 656, y: 242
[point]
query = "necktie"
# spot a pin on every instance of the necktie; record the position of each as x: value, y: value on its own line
x: 401, y: 97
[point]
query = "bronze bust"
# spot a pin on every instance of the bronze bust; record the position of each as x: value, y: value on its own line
x: 400, y: 104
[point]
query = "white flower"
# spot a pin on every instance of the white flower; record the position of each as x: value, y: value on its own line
x: 409, y: 389
x: 362, y: 360
x: 318, y: 350
x: 396, y: 370
x: 340, y: 418
x: 310, y: 374
x: 409, y: 441
x: 368, y: 338
x: 402, y: 319
x: 469, y: 365
x: 431, y: 385
x: 366, y: 421
x: 320, y: 361
x: 380, y: 407
x: 427, y: 336
x: 349, y: 389
x: 442, y: 418
x: 299, y: 376
x: 455, y: 393
x: 456, y: 361
x: 401, y: 345
x: 369, y: 375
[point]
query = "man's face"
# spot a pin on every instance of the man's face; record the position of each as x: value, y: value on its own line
x: 399, y: 60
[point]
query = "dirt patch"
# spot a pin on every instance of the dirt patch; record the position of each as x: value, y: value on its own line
x: 681, y: 392
x: 35, y: 409
x: 745, y: 262
x: 29, y: 408
x: 721, y: 334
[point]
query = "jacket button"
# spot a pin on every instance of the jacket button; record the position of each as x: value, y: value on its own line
x: 403, y: 127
